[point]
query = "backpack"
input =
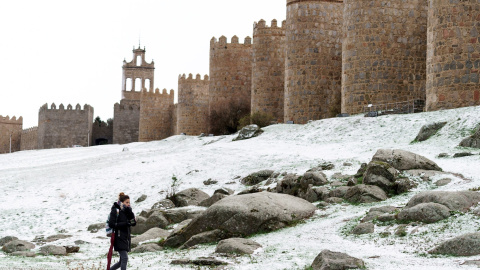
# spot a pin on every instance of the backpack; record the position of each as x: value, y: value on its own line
x: 109, y: 230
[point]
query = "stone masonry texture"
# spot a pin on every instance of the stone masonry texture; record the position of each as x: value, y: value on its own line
x: 230, y: 71
x: 29, y: 140
x: 453, y: 57
x: 10, y: 126
x: 64, y: 127
x: 268, y: 75
x: 126, y: 121
x: 155, y: 115
x: 313, y: 60
x: 192, y: 118
x: 384, y: 52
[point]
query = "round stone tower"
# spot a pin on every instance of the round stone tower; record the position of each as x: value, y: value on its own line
x: 453, y: 54
x: 313, y: 59
x: 268, y: 75
x: 192, y: 111
x: 384, y: 53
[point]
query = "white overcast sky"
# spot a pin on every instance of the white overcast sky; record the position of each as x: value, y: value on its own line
x: 70, y: 51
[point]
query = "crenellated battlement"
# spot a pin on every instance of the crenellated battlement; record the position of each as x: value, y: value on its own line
x: 182, y: 78
x: 29, y: 130
x: 126, y: 106
x: 222, y: 41
x: 157, y: 93
x: 13, y: 120
x: 86, y: 108
x: 261, y: 28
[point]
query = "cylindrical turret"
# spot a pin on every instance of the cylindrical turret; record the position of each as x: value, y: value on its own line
x: 384, y: 52
x: 192, y: 109
x: 268, y: 77
x: 453, y: 56
x: 314, y: 59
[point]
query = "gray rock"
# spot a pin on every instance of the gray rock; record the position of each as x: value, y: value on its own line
x: 380, y: 174
x: 210, y: 201
x: 224, y: 191
x: 462, y: 154
x: 53, y: 250
x: 340, y: 176
x: 472, y: 141
x: 201, y: 261
x: 163, y: 204
x: 329, y: 260
x: 339, y: 192
x: 403, y: 160
x: 152, y: 234
x: 141, y: 198
x: 322, y: 192
x: 334, y: 200
x: 311, y: 195
x: 403, y: 185
x: 24, y: 254
x: 386, y: 217
x: 96, y: 227
x: 425, y: 175
x: 464, y: 245
x: 191, y: 196
x: 150, y: 247
x: 365, y: 194
x: 316, y: 178
x: 443, y: 155
x: 361, y: 171
x: 256, y: 177
x: 210, y: 182
x: 72, y: 249
x: 237, y: 246
x: 180, y: 226
x: 337, y: 184
x: 248, y: 132
x: 454, y: 200
x: 80, y: 242
x: 424, y: 212
x: 443, y: 182
x: 471, y: 262
x: 364, y: 228
x: 17, y: 245
x: 204, y: 238
x: 347, y: 164
x: 429, y: 130
x: 254, y: 189
x: 7, y: 239
x: 375, y: 212
x: 289, y: 184
x: 56, y: 237
x: 155, y: 220
x: 245, y: 215
x: 326, y: 166
x: 178, y: 215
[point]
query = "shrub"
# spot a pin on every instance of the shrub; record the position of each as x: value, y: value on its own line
x: 260, y: 119
x: 225, y: 117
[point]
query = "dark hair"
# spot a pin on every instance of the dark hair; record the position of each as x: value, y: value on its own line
x: 122, y: 197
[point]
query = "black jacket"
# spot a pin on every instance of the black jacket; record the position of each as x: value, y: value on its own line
x: 121, y: 226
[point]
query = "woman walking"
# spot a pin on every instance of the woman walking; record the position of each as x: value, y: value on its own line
x: 121, y: 219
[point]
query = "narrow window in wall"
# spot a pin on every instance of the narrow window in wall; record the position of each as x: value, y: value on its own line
x: 139, y: 60
x: 138, y: 84
x: 128, y: 85
x: 147, y: 84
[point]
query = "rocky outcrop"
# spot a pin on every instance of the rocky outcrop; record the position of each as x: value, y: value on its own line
x: 210, y: 201
x: 429, y: 130
x: 248, y: 132
x: 256, y: 177
x: 152, y: 234
x: 163, y: 204
x: 403, y: 160
x: 329, y: 260
x: 191, y: 196
x: 364, y: 228
x: 453, y: 200
x: 381, y: 174
x: 155, y: 219
x: 7, y: 239
x: 375, y: 212
x: 150, y: 247
x: 465, y: 245
x: 237, y: 246
x: 96, y: 227
x: 17, y: 245
x: 472, y: 141
x: 246, y: 214
x: 424, y: 212
x: 365, y: 194
x: 53, y: 250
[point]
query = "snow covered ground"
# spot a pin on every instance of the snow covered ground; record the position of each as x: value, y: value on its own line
x: 64, y: 190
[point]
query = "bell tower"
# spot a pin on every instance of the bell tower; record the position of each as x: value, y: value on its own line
x: 137, y: 75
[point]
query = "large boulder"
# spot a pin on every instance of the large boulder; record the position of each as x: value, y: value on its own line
x: 210, y: 201
x: 154, y: 220
x: 464, y: 245
x: 375, y: 212
x: 403, y: 160
x: 96, y: 227
x: 204, y: 238
x: 53, y: 250
x: 381, y: 174
x: 237, y: 246
x: 17, y: 245
x: 429, y: 130
x: 152, y: 234
x: 315, y: 178
x: 191, y: 196
x: 329, y: 260
x: 178, y: 215
x: 424, y: 212
x: 245, y: 215
x: 256, y: 177
x: 364, y: 228
x: 163, y: 204
x: 248, y: 132
x: 472, y: 141
x: 7, y: 239
x: 151, y: 247
x: 365, y: 194
x: 453, y: 200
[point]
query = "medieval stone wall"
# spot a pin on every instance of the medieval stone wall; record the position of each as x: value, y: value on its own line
x: 58, y: 128
x: 10, y: 126
x: 453, y: 58
x: 384, y: 52
x: 192, y: 118
x: 156, y: 115
x: 230, y: 72
x: 126, y: 121
x: 174, y: 127
x: 313, y: 59
x: 102, y: 133
x: 268, y: 74
x: 29, y: 139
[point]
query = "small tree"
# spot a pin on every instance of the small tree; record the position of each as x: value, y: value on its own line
x: 261, y: 119
x: 225, y: 117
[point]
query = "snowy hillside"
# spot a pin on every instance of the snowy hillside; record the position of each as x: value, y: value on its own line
x: 65, y: 190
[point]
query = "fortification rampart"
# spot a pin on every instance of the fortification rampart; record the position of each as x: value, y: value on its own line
x: 268, y: 71
x: 126, y: 121
x: 156, y: 115
x: 192, y: 111
x: 10, y: 127
x: 313, y: 60
x: 453, y: 58
x: 384, y: 53
x: 58, y: 128
x: 230, y: 72
x: 174, y: 127
x: 29, y: 139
